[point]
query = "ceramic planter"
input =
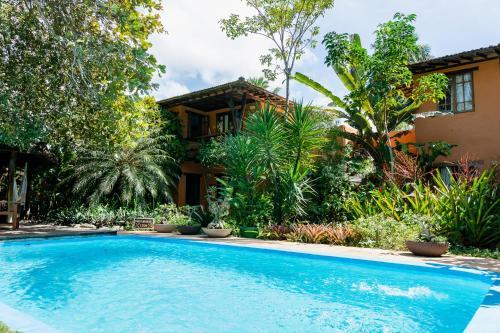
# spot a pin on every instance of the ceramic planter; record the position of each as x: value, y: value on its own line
x: 427, y: 249
x: 217, y: 233
x: 189, y: 229
x: 249, y: 232
x: 165, y: 228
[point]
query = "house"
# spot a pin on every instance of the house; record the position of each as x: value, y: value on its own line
x: 473, y: 98
x: 209, y: 113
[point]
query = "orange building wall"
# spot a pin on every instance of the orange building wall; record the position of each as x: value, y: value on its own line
x: 476, y: 133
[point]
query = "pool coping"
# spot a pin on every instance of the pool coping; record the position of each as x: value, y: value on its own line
x: 22, y: 322
x: 485, y: 320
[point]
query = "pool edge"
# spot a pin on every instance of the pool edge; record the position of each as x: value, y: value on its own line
x: 486, y: 319
x: 22, y: 322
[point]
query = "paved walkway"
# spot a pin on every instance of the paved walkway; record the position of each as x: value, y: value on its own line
x: 41, y: 231
x: 341, y: 251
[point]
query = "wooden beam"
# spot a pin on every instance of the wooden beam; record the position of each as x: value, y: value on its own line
x: 12, y: 206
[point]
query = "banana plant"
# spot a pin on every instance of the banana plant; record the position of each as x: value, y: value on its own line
x: 382, y: 93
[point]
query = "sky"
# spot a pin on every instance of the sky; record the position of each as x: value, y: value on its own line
x: 197, y: 54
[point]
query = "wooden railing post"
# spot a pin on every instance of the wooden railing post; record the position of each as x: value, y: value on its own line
x: 12, y: 206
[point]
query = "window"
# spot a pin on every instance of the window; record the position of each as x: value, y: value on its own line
x: 225, y: 122
x: 460, y: 96
x: 193, y: 182
x: 198, y: 125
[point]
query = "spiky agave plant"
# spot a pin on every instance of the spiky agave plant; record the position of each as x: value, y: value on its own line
x: 132, y: 173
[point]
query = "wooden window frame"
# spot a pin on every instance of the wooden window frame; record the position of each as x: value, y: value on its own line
x: 230, y: 121
x: 452, y: 103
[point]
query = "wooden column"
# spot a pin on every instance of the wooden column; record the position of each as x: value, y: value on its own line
x: 12, y: 207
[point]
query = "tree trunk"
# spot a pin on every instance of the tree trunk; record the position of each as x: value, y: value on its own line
x: 287, y: 93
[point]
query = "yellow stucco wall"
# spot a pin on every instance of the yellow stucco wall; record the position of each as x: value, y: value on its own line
x: 476, y: 133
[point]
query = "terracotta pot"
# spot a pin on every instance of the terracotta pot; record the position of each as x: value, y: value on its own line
x: 217, y: 233
x: 427, y: 249
x: 165, y: 228
x: 189, y: 229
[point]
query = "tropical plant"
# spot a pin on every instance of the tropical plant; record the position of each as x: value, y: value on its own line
x: 218, y: 208
x: 211, y: 152
x: 130, y: 174
x: 336, y: 234
x: 469, y: 213
x: 380, y: 97
x: 334, y: 182
x: 288, y: 24
x: 245, y: 177
x: 263, y: 83
x: 379, y: 231
x: 286, y: 151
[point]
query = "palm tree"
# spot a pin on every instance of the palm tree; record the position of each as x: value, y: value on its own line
x: 261, y: 82
x: 132, y: 173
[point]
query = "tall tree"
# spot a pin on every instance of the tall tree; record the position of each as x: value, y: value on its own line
x: 65, y: 64
x: 382, y: 90
x: 289, y: 24
x: 263, y: 83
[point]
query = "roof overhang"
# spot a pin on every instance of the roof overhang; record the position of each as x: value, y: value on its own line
x: 218, y: 97
x: 459, y: 59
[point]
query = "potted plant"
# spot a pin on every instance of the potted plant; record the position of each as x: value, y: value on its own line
x: 166, y: 213
x: 219, y: 209
x: 427, y: 244
x: 187, y: 224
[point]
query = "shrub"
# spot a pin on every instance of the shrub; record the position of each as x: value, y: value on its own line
x: 383, y: 232
x: 309, y: 233
x: 98, y: 215
x: 274, y: 231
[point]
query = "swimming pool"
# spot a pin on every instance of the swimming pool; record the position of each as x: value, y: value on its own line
x: 147, y: 284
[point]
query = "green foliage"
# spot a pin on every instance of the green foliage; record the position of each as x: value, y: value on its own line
x: 333, y: 182
x: 171, y: 126
x: 459, y: 250
x: 218, y: 208
x: 269, y: 163
x: 5, y: 329
x: 288, y: 24
x: 129, y: 174
x: 466, y: 211
x: 66, y: 65
x: 97, y: 215
x: 379, y: 231
x: 427, y: 153
x: 377, y: 102
x: 469, y: 213
x: 245, y: 176
x: 211, y: 152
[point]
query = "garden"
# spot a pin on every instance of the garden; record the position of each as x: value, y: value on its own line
x: 289, y: 174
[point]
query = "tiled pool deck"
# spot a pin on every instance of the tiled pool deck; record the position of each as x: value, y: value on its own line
x: 486, y: 319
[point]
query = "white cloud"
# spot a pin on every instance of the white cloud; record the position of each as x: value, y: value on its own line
x: 195, y: 47
x: 198, y: 54
x: 169, y: 88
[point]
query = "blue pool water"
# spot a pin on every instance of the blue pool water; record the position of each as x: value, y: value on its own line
x: 143, y: 284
